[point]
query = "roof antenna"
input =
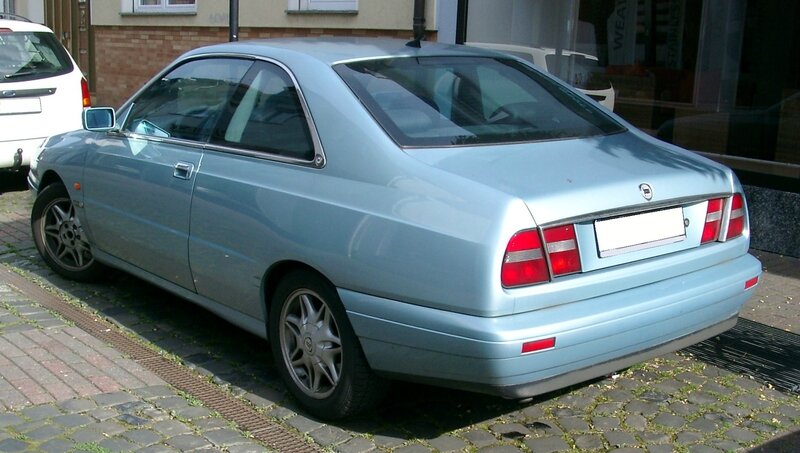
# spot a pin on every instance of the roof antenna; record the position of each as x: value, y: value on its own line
x: 419, y: 24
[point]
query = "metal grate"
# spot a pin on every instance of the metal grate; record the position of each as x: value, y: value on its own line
x: 246, y: 418
x: 769, y: 355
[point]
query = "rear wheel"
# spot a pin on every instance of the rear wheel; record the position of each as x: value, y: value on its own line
x: 59, y: 237
x: 316, y: 350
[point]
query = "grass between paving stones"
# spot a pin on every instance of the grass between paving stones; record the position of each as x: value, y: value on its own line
x: 91, y: 447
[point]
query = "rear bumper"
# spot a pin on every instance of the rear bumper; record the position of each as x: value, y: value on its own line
x: 16, y: 154
x: 594, y: 337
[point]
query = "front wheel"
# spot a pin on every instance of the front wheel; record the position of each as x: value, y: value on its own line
x: 316, y: 350
x: 59, y: 236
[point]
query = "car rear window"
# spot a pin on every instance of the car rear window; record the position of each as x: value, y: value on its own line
x: 446, y: 101
x: 30, y: 56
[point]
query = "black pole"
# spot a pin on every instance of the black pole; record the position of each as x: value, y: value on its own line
x: 233, y: 29
x: 419, y: 20
x: 419, y: 24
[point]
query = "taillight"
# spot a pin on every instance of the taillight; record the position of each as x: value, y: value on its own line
x: 524, y: 262
x: 713, y: 220
x: 87, y: 97
x: 562, y: 248
x: 736, y: 222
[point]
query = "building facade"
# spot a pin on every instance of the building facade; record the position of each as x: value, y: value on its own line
x: 719, y: 77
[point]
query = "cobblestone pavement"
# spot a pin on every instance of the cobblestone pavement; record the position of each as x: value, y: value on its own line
x: 673, y: 403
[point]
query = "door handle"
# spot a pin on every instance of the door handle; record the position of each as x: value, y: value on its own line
x: 183, y: 170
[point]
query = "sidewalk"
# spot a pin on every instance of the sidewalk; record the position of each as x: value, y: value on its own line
x: 64, y: 390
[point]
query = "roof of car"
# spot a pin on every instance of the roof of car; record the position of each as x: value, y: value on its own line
x: 336, y: 50
x: 21, y: 25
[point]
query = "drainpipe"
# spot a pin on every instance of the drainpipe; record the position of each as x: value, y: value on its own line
x: 233, y: 28
x: 419, y: 23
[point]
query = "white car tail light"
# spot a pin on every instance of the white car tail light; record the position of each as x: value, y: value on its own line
x: 87, y: 97
x: 525, y: 261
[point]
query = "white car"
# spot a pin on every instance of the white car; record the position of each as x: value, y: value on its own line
x: 581, y: 68
x: 42, y: 90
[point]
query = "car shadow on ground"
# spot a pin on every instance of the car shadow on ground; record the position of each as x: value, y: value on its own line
x: 236, y: 359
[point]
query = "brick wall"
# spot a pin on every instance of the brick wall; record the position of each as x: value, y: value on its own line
x: 126, y: 57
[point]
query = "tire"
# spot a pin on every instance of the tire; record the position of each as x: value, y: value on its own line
x: 59, y: 236
x: 316, y: 350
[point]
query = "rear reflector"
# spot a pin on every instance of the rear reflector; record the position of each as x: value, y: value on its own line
x: 562, y: 247
x: 5, y: 30
x: 736, y: 222
x: 538, y: 345
x: 524, y: 262
x: 713, y: 220
x: 87, y: 97
x: 751, y: 283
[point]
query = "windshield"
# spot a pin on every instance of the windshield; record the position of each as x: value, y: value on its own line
x: 31, y: 55
x: 444, y: 101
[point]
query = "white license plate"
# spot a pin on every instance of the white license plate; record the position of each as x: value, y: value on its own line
x: 638, y: 232
x: 18, y: 106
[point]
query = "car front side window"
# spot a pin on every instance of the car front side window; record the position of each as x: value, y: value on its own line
x: 267, y: 116
x: 186, y: 103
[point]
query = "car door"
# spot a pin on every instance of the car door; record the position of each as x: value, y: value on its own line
x: 245, y: 204
x: 138, y: 187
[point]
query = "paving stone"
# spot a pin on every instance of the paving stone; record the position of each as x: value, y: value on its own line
x: 133, y: 420
x: 605, y: 423
x: 224, y: 437
x: 608, y: 408
x: 543, y: 428
x: 702, y: 398
x: 619, y: 438
x: 735, y: 411
x: 655, y: 438
x: 500, y: 449
x: 153, y: 392
x: 510, y: 430
x: 415, y: 448
x: 669, y: 420
x: 329, y: 435
x: 44, y: 433
x: 86, y: 435
x: 142, y: 437
x: 12, y: 445
x: 391, y: 439
x: 573, y: 424
x: 740, y: 435
x: 117, y: 444
x: 688, y: 437
x: 547, y: 445
x: 704, y: 425
x: 356, y: 445
x: 753, y: 402
x: 703, y: 449
x: 112, y: 398
x: 625, y: 450
x: 186, y: 442
x: 40, y: 412
x: 727, y: 445
x: 170, y: 428
x: 248, y: 448
x: 537, y: 412
x: 636, y: 422
x: 193, y: 413
x: 642, y: 407
x: 7, y: 420
x: 480, y: 438
x: 448, y: 444
x: 56, y: 446
x: 660, y: 449
x: 159, y: 449
x: 589, y: 441
x: 103, y: 413
x: 304, y: 424
x: 72, y: 420
x: 77, y: 405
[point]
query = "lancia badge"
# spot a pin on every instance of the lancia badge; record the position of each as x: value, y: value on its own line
x: 646, y: 191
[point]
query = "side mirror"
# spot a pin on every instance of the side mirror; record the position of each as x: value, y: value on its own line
x: 99, y: 119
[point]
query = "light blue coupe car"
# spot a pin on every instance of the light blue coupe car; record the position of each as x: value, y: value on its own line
x: 440, y: 214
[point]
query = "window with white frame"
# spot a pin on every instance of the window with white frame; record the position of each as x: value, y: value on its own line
x: 323, y: 5
x: 165, y: 6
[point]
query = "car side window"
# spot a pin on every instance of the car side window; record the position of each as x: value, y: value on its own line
x: 267, y: 116
x: 186, y: 102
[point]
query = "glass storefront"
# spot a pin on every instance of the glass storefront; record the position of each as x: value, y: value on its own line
x: 716, y: 76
